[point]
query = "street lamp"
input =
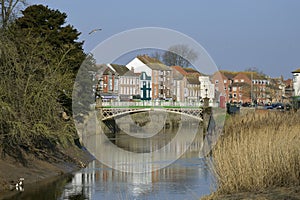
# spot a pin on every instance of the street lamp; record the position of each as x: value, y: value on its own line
x: 206, y: 99
x: 99, y: 90
x: 199, y: 96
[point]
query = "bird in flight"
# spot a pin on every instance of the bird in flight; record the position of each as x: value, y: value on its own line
x: 95, y: 30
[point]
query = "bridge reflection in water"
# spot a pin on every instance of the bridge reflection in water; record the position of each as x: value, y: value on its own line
x: 187, y: 178
x: 142, y: 158
x: 126, y: 151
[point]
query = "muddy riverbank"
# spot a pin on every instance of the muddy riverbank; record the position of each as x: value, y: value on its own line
x: 39, y: 171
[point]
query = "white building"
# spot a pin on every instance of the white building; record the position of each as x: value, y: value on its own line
x: 180, y: 91
x: 128, y: 84
x: 296, y: 82
x: 207, y: 89
x: 161, y: 75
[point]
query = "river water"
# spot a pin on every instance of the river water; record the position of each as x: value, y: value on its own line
x: 186, y: 177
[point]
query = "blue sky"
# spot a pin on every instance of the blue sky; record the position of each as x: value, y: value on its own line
x: 237, y: 34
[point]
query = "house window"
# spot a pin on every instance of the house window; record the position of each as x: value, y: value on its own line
x: 225, y: 88
x: 225, y: 81
x: 242, y: 80
x: 116, y: 84
x: 236, y: 80
x: 217, y: 81
x: 234, y: 95
x: 233, y: 88
x: 110, y: 84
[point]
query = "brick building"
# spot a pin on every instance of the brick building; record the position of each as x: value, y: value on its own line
x: 161, y: 75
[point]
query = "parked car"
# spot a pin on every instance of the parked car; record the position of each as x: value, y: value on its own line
x: 278, y: 105
x: 246, y: 104
x: 268, y: 107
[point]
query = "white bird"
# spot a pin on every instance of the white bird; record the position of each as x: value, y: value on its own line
x: 95, y: 30
x: 19, y: 186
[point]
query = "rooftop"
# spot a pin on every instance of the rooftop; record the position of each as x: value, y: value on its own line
x: 193, y: 80
x: 153, y: 63
x: 250, y: 75
x: 296, y: 71
x: 180, y: 70
x: 103, y: 69
x: 120, y: 69
x: 191, y: 71
x: 158, y: 66
x: 147, y: 59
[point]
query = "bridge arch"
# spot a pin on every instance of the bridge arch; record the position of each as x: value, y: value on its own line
x: 109, y: 113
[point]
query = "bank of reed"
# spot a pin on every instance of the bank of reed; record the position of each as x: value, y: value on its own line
x: 258, y: 151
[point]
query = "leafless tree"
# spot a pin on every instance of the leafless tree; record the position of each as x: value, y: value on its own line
x: 256, y: 70
x: 157, y: 55
x: 181, y: 55
x: 9, y: 9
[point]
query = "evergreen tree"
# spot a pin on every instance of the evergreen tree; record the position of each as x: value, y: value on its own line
x: 39, y: 59
x: 48, y: 24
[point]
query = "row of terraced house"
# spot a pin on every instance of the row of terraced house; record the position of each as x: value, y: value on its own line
x: 247, y: 87
x: 147, y: 78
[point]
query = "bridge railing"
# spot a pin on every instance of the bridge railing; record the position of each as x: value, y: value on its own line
x: 153, y: 104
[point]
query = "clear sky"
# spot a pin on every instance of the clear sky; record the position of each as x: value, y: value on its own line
x: 237, y: 34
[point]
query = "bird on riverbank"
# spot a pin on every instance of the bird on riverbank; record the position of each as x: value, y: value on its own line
x: 19, y: 185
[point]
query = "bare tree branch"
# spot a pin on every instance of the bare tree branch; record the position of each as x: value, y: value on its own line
x: 180, y: 55
x: 8, y: 8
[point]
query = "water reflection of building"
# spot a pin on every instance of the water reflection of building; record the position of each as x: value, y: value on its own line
x: 186, y: 144
x: 81, y: 183
x: 97, y: 177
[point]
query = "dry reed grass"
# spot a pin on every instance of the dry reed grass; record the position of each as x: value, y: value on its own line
x: 258, y: 151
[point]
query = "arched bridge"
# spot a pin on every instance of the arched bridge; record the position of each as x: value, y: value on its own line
x: 109, y: 112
